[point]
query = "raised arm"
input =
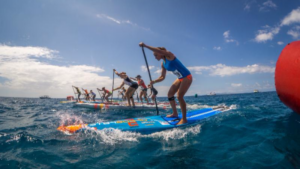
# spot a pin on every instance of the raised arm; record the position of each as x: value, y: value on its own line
x: 162, y: 76
x: 166, y: 53
x: 122, y: 84
x: 116, y: 72
x: 99, y: 89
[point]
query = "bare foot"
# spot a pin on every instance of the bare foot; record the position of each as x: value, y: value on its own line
x: 172, y: 115
x: 181, y: 122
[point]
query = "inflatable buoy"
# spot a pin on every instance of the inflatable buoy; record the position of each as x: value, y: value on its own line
x: 287, y: 76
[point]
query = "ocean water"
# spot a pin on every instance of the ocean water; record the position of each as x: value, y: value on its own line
x: 259, y: 132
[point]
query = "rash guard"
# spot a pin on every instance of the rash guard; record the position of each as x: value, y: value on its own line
x: 176, y: 67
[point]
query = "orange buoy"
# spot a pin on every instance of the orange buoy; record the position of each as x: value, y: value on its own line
x: 287, y: 76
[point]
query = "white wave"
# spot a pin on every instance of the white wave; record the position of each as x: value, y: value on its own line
x: 68, y: 119
x: 3, y: 134
x: 232, y: 107
x: 17, y: 138
x: 114, y: 136
x: 176, y: 133
x: 196, y: 106
x: 14, y: 138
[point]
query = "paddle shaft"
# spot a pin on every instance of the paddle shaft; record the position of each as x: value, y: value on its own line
x: 137, y: 96
x: 150, y: 77
x: 74, y: 92
x: 112, y: 90
x: 101, y: 97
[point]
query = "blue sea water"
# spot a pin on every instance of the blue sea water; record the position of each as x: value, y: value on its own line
x: 259, y: 132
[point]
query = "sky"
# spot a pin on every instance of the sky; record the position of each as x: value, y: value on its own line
x: 230, y: 46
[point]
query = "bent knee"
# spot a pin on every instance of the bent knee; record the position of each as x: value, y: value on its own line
x: 180, y: 96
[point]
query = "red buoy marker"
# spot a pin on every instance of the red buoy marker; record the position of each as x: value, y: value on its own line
x: 287, y: 76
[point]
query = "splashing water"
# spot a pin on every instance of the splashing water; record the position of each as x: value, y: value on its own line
x: 257, y: 132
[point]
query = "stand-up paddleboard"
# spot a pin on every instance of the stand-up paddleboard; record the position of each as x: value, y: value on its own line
x: 125, y: 102
x: 102, y: 106
x: 148, y: 124
x: 68, y: 101
x: 99, y: 101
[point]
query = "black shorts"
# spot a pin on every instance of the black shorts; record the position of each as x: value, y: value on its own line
x: 134, y: 85
x: 154, y: 91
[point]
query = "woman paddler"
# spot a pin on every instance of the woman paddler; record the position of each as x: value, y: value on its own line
x: 106, y: 93
x: 180, y: 85
x: 131, y: 89
x: 143, y: 87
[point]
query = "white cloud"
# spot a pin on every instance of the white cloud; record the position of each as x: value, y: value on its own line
x: 292, y: 17
x: 266, y: 34
x: 223, y: 70
x: 227, y: 37
x: 226, y: 34
x: 236, y: 84
x: 267, y: 5
x: 25, y: 75
x: 217, y: 48
x: 294, y: 34
x: 109, y: 18
x: 247, y: 7
x: 24, y: 52
x: 144, y: 68
x: 120, y: 21
x: 280, y: 43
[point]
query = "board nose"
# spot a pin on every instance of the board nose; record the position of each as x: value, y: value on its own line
x: 71, y: 128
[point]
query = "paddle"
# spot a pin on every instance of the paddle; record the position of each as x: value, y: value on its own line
x: 75, y: 93
x: 137, y: 96
x: 113, y: 86
x: 150, y: 77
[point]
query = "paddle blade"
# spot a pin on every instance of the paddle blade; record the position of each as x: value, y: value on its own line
x: 71, y: 128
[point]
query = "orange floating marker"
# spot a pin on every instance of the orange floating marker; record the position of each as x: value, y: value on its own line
x: 287, y: 76
x: 71, y: 128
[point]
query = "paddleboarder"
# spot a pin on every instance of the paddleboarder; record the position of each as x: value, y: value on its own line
x: 106, y: 93
x: 131, y: 89
x: 180, y: 85
x: 143, y: 88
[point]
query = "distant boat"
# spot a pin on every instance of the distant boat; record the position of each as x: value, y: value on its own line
x: 212, y: 94
x: 255, y: 91
x: 45, y: 97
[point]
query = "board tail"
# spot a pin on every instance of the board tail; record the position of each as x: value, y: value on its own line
x: 71, y: 128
